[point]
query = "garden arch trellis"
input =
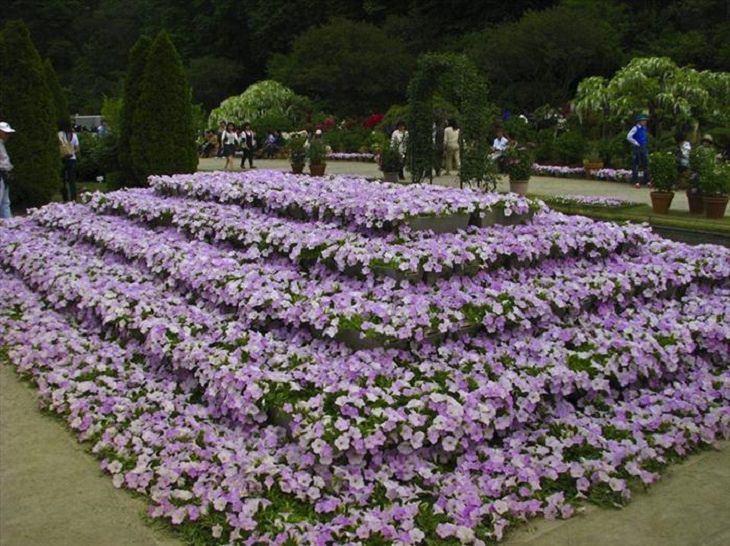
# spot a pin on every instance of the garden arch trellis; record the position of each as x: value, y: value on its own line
x: 458, y: 78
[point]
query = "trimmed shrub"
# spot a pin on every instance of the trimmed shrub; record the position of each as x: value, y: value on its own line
x: 59, y: 97
x: 571, y: 148
x: 27, y: 104
x: 163, y: 138
x: 135, y: 71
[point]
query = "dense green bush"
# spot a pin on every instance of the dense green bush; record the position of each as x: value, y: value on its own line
x: 663, y: 169
x: 545, y: 147
x: 98, y: 156
x: 272, y: 122
x: 615, y: 152
x: 163, y: 141
x: 317, y: 152
x: 518, y: 162
x: 135, y: 71
x: 344, y: 139
x: 27, y: 105
x: 571, y: 148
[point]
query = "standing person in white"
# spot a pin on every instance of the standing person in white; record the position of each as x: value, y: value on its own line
x: 399, y: 139
x: 229, y: 141
x: 5, y: 167
x: 451, y: 147
x: 68, y: 142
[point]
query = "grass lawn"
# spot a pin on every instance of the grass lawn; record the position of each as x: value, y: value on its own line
x: 643, y: 213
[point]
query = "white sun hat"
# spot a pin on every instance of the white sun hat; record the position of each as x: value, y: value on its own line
x: 5, y: 127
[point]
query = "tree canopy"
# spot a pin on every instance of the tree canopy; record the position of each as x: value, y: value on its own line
x: 226, y: 45
x: 350, y: 67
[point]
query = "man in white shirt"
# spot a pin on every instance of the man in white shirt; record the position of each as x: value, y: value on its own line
x: 5, y: 167
x: 399, y: 139
x: 499, y: 147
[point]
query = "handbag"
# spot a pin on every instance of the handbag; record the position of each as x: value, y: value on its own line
x: 65, y: 147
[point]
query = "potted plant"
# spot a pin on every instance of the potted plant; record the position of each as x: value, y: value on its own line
x: 390, y: 162
x: 715, y: 186
x: 518, y: 162
x: 297, y: 153
x: 664, y: 174
x: 317, y: 157
x: 701, y: 161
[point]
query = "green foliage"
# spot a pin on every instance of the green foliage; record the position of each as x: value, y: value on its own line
x: 469, y: 92
x: 614, y: 152
x: 264, y: 99
x: 135, y: 71
x: 715, y: 180
x: 541, y: 58
x: 571, y: 147
x: 390, y: 159
x: 214, y: 78
x: 297, y: 150
x: 351, y: 67
x: 27, y: 104
x: 518, y: 162
x: 98, y: 157
x: 317, y: 152
x: 272, y: 122
x: 348, y: 139
x: 673, y: 96
x: 59, y: 97
x: 163, y: 140
x: 663, y: 169
x: 111, y: 110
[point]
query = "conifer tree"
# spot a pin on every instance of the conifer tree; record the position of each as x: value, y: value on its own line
x: 27, y: 104
x: 59, y: 97
x: 135, y: 71
x: 163, y: 136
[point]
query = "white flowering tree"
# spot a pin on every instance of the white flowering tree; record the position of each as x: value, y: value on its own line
x: 267, y: 98
x: 672, y: 95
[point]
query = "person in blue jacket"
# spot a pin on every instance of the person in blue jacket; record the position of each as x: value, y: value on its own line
x: 638, y: 137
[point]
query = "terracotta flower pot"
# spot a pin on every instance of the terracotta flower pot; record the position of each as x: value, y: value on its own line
x: 590, y: 166
x: 518, y: 186
x: 317, y: 170
x: 715, y: 205
x: 660, y: 201
x: 696, y: 204
x: 297, y: 168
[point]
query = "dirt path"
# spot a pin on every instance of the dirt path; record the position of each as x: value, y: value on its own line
x: 53, y: 493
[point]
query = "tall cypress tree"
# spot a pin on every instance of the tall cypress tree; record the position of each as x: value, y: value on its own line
x: 59, y: 97
x: 135, y: 71
x: 163, y: 138
x: 27, y: 104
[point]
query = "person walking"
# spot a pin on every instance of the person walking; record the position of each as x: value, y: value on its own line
x: 638, y: 137
x: 399, y: 139
x: 248, y: 144
x: 5, y: 169
x: 68, y: 142
x: 229, y: 141
x: 451, y: 147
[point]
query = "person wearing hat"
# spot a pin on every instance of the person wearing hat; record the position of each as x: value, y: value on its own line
x: 5, y: 167
x: 638, y: 137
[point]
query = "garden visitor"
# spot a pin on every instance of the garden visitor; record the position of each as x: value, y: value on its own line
x: 103, y: 129
x: 248, y: 144
x: 270, y: 147
x: 684, y: 149
x: 638, y: 137
x: 399, y: 139
x: 210, y: 144
x: 451, y: 147
x: 229, y: 141
x: 499, y: 147
x: 5, y: 168
x: 68, y: 143
x: 221, y: 130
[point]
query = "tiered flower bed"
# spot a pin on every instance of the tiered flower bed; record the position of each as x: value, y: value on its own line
x: 189, y: 333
